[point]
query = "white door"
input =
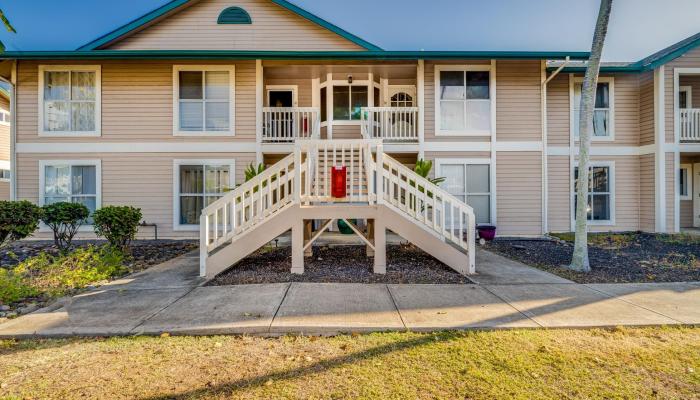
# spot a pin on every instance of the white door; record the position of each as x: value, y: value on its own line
x: 696, y: 195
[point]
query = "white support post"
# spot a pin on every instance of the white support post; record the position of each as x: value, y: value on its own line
x: 379, y: 180
x: 659, y: 144
x: 420, y: 97
x: 298, y: 247
x: 203, y: 243
x: 258, y: 110
x: 379, y: 246
x: 329, y: 106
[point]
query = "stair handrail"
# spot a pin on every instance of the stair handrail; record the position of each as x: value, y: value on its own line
x: 246, y: 205
x: 423, y: 199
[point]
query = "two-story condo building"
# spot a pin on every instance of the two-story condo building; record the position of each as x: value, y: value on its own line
x: 166, y: 112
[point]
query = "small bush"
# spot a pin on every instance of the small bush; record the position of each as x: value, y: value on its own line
x: 18, y: 219
x: 64, y: 219
x: 13, y: 287
x: 57, y: 275
x: 117, y: 224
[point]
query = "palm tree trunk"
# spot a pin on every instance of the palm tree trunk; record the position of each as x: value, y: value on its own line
x: 579, y: 261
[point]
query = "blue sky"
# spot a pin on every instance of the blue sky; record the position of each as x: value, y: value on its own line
x: 637, y: 28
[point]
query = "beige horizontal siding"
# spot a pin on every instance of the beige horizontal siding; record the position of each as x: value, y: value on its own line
x: 137, y: 103
x: 559, y: 202
x: 4, y: 190
x: 626, y: 109
x: 647, y: 193
x: 558, y: 121
x: 273, y: 28
x: 4, y: 142
x: 686, y: 215
x: 646, y: 108
x: 519, y: 194
x: 140, y: 180
x: 347, y: 132
x: 518, y: 102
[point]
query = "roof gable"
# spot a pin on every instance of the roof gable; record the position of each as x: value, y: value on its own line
x: 190, y: 24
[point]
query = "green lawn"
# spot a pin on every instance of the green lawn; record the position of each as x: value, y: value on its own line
x: 523, y: 364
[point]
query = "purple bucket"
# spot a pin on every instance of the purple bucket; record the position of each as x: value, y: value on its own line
x: 486, y: 232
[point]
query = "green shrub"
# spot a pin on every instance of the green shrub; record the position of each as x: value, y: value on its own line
x: 64, y: 219
x: 57, y: 275
x: 13, y: 287
x: 117, y: 224
x: 18, y: 219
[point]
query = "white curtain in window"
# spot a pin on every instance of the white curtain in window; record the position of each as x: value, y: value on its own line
x: 69, y: 101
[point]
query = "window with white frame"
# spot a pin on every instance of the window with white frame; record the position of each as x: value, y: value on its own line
x: 4, y: 117
x: 601, y: 207
x: 71, y: 181
x: 685, y: 184
x: 463, y: 100
x: 4, y: 174
x: 401, y: 99
x: 348, y: 102
x: 70, y: 100
x: 204, y: 100
x: 199, y: 183
x: 603, y: 116
x: 469, y: 182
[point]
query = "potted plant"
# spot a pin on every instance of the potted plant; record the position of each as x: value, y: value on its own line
x: 486, y: 232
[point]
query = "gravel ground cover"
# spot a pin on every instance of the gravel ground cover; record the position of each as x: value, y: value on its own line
x: 614, y: 258
x: 405, y: 264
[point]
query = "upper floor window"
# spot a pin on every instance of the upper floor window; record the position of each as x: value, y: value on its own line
x: 463, y: 100
x: 203, y: 100
x: 5, y: 174
x: 603, y: 117
x: 348, y: 102
x: 69, y: 100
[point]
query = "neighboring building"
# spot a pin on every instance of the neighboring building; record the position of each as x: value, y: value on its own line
x: 166, y: 112
x: 4, y: 144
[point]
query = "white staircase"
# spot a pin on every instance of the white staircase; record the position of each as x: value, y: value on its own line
x: 298, y: 189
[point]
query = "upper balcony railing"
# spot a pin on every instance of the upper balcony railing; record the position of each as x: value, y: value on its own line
x: 287, y: 124
x: 391, y: 124
x: 689, y: 124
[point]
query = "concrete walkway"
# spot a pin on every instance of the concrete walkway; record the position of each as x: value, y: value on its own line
x: 170, y: 298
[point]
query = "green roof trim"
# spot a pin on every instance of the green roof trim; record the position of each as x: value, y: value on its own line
x: 174, y: 5
x: 286, y: 55
x: 670, y: 53
x: 234, y: 16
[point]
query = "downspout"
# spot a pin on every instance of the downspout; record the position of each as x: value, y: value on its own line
x: 13, y: 129
x: 545, y: 172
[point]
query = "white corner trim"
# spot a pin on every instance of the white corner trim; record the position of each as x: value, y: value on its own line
x: 230, y: 162
x: 231, y: 69
x: 137, y: 147
x: 659, y: 141
x: 97, y: 69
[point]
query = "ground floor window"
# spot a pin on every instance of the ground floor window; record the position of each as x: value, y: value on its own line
x: 470, y: 182
x: 199, y: 183
x: 4, y: 174
x: 71, y: 181
x: 600, y: 192
x: 685, y: 184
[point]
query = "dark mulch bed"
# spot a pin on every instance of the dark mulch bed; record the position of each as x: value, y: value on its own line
x: 345, y: 264
x: 144, y: 253
x: 614, y: 258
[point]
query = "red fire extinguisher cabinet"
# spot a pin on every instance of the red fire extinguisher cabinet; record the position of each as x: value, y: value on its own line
x: 339, y: 181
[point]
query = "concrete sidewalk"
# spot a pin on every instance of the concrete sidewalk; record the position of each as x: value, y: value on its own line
x: 170, y: 298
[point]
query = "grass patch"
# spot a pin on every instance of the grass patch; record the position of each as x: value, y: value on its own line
x: 48, y: 276
x: 522, y: 364
x: 604, y: 239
